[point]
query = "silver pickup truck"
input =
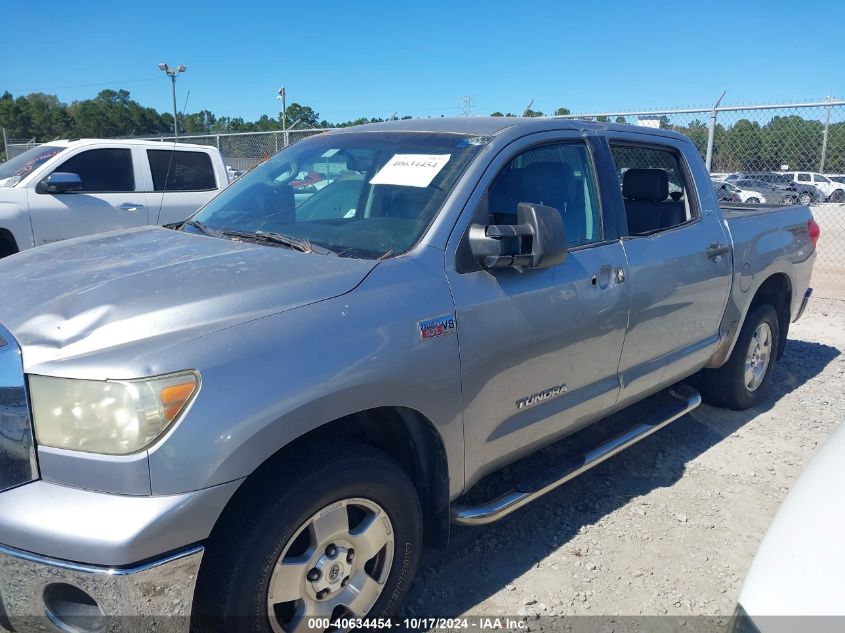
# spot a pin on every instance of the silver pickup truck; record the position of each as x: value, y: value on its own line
x: 255, y: 420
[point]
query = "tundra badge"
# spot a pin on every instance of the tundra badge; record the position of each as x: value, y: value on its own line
x: 536, y: 398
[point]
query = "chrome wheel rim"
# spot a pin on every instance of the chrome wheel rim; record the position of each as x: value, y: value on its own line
x: 334, y: 566
x: 805, y: 199
x: 758, y: 357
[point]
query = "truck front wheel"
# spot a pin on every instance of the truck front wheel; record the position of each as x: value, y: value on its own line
x: 744, y: 380
x: 331, y: 537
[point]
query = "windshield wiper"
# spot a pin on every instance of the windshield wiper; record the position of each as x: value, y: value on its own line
x: 202, y: 227
x: 283, y: 240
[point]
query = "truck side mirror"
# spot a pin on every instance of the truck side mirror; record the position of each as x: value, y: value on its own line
x: 61, y: 182
x: 537, y: 241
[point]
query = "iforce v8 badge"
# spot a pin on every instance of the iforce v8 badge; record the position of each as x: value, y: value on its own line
x: 437, y: 326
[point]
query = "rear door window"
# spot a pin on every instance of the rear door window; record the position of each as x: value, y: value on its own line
x: 107, y: 170
x: 179, y: 170
x: 654, y: 187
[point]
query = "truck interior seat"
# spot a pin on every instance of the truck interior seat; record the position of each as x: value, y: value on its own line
x: 550, y: 184
x: 646, y: 205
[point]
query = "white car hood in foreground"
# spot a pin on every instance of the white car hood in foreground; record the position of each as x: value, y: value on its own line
x: 800, y: 567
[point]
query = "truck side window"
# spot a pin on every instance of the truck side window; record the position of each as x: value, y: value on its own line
x: 176, y: 170
x: 803, y: 178
x: 102, y: 170
x: 559, y: 176
x: 653, y: 186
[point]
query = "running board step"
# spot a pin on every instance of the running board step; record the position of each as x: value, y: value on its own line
x: 687, y: 400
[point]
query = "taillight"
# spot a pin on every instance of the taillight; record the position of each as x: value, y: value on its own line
x: 814, y: 231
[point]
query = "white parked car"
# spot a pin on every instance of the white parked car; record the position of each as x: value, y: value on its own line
x: 833, y: 191
x: 72, y: 188
x: 799, y: 569
x: 749, y: 195
x: 233, y: 173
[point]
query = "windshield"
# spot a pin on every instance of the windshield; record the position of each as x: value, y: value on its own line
x: 362, y: 194
x: 16, y: 169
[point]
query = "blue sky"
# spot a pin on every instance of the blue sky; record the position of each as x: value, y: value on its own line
x: 374, y: 58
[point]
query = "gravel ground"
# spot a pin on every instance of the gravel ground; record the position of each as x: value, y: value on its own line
x: 669, y: 526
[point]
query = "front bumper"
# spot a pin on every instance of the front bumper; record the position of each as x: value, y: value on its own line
x: 157, y: 595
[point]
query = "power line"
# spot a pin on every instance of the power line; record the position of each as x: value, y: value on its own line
x: 105, y: 83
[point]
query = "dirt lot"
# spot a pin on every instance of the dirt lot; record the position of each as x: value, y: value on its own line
x: 669, y: 526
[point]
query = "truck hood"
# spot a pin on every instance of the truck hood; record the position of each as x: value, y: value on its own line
x: 87, y: 295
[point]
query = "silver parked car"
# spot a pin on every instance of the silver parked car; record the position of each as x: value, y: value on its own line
x: 803, y: 193
x: 769, y: 193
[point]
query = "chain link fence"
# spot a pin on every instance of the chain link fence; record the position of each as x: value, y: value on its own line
x: 244, y: 150
x: 15, y: 147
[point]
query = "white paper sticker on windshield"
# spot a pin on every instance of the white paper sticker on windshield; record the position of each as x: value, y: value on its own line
x: 411, y: 170
x: 329, y: 153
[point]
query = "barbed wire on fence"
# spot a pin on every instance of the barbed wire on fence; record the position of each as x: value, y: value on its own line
x: 777, y: 137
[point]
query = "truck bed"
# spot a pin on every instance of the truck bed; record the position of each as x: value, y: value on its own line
x: 744, y: 210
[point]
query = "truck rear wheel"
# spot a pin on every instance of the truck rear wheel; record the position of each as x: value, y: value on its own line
x: 334, y: 534
x: 744, y: 380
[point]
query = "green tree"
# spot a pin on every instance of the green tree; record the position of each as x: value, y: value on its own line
x: 306, y: 116
x: 562, y: 111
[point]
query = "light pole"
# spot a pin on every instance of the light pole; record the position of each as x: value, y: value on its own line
x: 281, y: 97
x: 172, y: 73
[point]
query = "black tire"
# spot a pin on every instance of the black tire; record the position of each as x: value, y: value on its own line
x: 726, y: 386
x: 753, y: 200
x: 805, y: 199
x: 7, y: 244
x: 241, y: 554
x: 838, y: 196
x: 788, y: 200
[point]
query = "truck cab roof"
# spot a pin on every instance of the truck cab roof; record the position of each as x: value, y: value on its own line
x: 492, y: 126
x: 125, y: 142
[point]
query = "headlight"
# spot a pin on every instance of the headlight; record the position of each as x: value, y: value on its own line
x: 114, y: 417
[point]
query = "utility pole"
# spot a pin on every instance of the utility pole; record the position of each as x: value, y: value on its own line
x: 6, y: 144
x: 173, y: 73
x: 465, y: 105
x: 281, y: 97
x: 711, y: 133
x: 824, y: 138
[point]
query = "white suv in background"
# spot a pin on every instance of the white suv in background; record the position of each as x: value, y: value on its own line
x: 66, y: 189
x: 834, y: 191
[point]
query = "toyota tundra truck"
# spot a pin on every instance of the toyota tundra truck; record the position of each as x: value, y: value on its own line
x: 256, y: 419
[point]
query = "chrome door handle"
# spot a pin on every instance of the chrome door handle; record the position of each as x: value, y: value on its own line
x: 605, y: 274
x: 131, y: 206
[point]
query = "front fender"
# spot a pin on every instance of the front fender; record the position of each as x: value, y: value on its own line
x: 14, y: 217
x: 267, y: 382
